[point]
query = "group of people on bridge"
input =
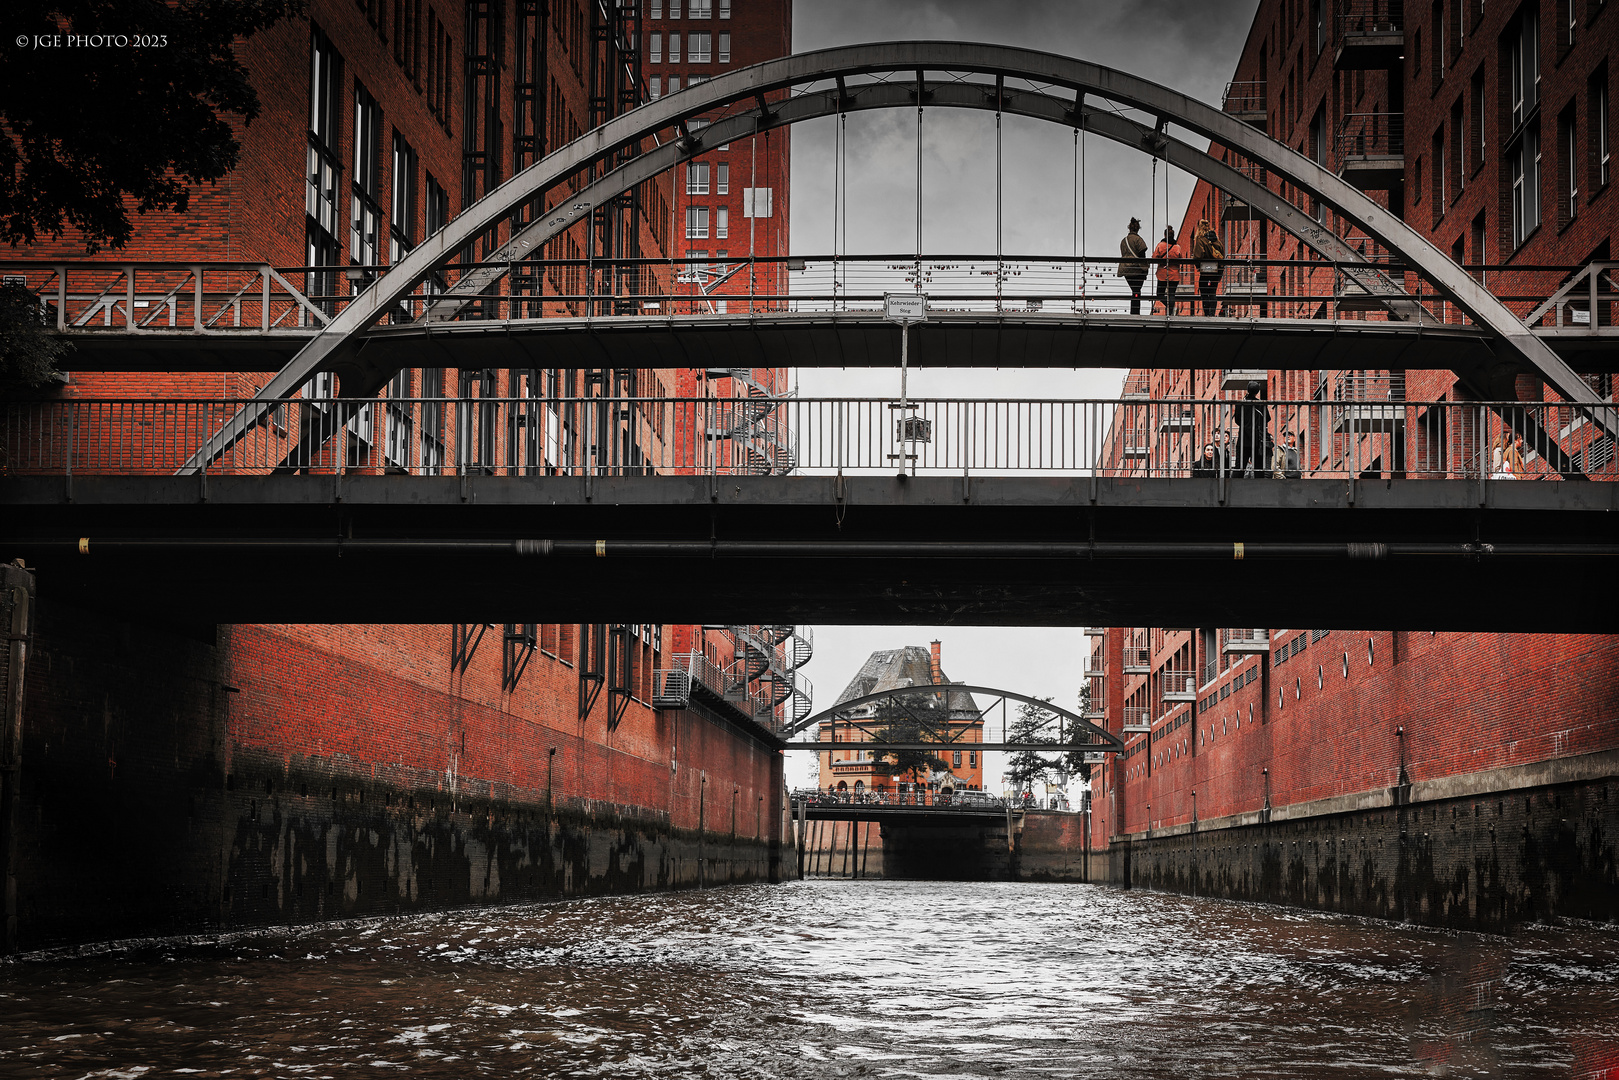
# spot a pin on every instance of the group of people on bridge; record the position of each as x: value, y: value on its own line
x: 1169, y: 257
x: 1249, y: 450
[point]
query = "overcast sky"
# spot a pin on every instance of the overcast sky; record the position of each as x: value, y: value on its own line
x: 1191, y: 47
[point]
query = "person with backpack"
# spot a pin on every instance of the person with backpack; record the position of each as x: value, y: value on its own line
x: 1133, y: 263
x: 1207, y: 253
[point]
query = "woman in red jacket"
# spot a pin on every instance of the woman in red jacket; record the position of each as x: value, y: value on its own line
x: 1168, y: 254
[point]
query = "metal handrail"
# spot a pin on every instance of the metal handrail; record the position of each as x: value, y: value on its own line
x: 1364, y: 430
x: 1370, y: 17
x: 92, y: 297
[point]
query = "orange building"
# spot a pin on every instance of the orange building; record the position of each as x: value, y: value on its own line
x: 856, y: 770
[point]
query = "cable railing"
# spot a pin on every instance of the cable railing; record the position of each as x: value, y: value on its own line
x: 1365, y: 430
x: 259, y: 299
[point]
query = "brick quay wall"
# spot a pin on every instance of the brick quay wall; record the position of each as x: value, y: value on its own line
x: 176, y: 781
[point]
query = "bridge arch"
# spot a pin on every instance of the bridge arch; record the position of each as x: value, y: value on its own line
x: 338, y: 347
x: 1104, y: 739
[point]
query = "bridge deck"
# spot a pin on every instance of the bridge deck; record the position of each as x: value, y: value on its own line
x: 850, y: 339
x: 863, y: 549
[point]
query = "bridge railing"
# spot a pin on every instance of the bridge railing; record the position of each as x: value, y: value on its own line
x: 256, y: 298
x: 908, y: 800
x: 1365, y: 430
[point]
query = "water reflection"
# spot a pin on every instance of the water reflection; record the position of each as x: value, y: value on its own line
x: 827, y: 978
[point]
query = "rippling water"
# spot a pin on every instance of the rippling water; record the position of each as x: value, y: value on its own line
x: 826, y: 978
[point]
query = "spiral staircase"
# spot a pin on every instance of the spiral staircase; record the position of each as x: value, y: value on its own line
x: 750, y: 423
x: 769, y: 658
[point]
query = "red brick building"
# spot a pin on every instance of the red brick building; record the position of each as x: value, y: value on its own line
x: 532, y: 752
x: 1446, y: 778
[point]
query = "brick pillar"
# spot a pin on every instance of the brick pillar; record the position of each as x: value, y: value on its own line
x: 938, y: 676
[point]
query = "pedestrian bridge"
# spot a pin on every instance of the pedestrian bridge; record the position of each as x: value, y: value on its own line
x: 736, y: 511
x: 984, y: 311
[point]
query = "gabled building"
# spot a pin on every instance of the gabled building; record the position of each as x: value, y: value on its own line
x: 856, y: 771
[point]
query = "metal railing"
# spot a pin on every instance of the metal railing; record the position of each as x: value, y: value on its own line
x: 1094, y: 665
x: 672, y: 688
x: 255, y: 298
x: 1137, y: 657
x: 1244, y: 97
x: 1179, y: 686
x: 1370, y: 17
x: 1245, y: 639
x: 1365, y: 432
x: 1370, y: 136
x: 937, y: 800
x: 1137, y: 717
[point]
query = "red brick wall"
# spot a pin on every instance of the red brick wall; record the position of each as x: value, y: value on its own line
x: 1443, y: 705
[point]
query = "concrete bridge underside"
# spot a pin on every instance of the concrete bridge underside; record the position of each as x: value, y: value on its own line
x: 855, y: 339
x: 858, y: 550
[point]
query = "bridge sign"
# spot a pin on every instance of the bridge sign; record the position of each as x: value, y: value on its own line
x: 905, y: 307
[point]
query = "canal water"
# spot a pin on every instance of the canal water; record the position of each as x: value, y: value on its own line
x: 829, y: 979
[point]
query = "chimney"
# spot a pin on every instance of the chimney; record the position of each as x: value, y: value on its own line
x: 938, y: 676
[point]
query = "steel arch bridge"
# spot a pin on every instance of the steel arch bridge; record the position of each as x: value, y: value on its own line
x: 820, y: 84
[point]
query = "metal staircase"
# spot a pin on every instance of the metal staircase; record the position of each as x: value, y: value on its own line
x: 771, y: 656
x: 752, y: 425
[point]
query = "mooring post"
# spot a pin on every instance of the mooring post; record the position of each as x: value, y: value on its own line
x: 16, y: 590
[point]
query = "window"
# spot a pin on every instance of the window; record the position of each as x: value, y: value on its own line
x: 701, y: 9
x: 437, y: 206
x: 1438, y: 174
x: 725, y: 9
x: 1597, y: 116
x: 674, y: 84
x: 955, y: 759
x: 1318, y: 25
x: 364, y: 215
x: 656, y: 86
x: 1523, y: 67
x: 1475, y: 95
x: 674, y: 9
x: 1436, y: 41
x: 1568, y: 164
x: 697, y: 223
x: 1525, y: 172
x: 693, y: 79
x: 322, y: 172
x: 699, y: 46
x: 697, y: 178
x: 722, y: 223
x: 402, y: 207
x: 655, y: 49
x: 1568, y: 19
x: 1458, y: 164
x: 432, y: 431
x: 725, y: 47
x: 674, y: 50
x: 722, y: 179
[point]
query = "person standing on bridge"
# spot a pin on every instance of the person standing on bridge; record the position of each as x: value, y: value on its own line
x: 1285, y: 463
x: 1133, y: 263
x: 1207, y: 253
x: 1168, y: 255
x: 1253, y: 430
x: 1208, y: 464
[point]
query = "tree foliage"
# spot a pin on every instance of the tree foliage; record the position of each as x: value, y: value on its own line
x: 1033, y: 725
x: 87, y: 130
x: 1037, y: 725
x: 917, y: 721
x: 28, y: 349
